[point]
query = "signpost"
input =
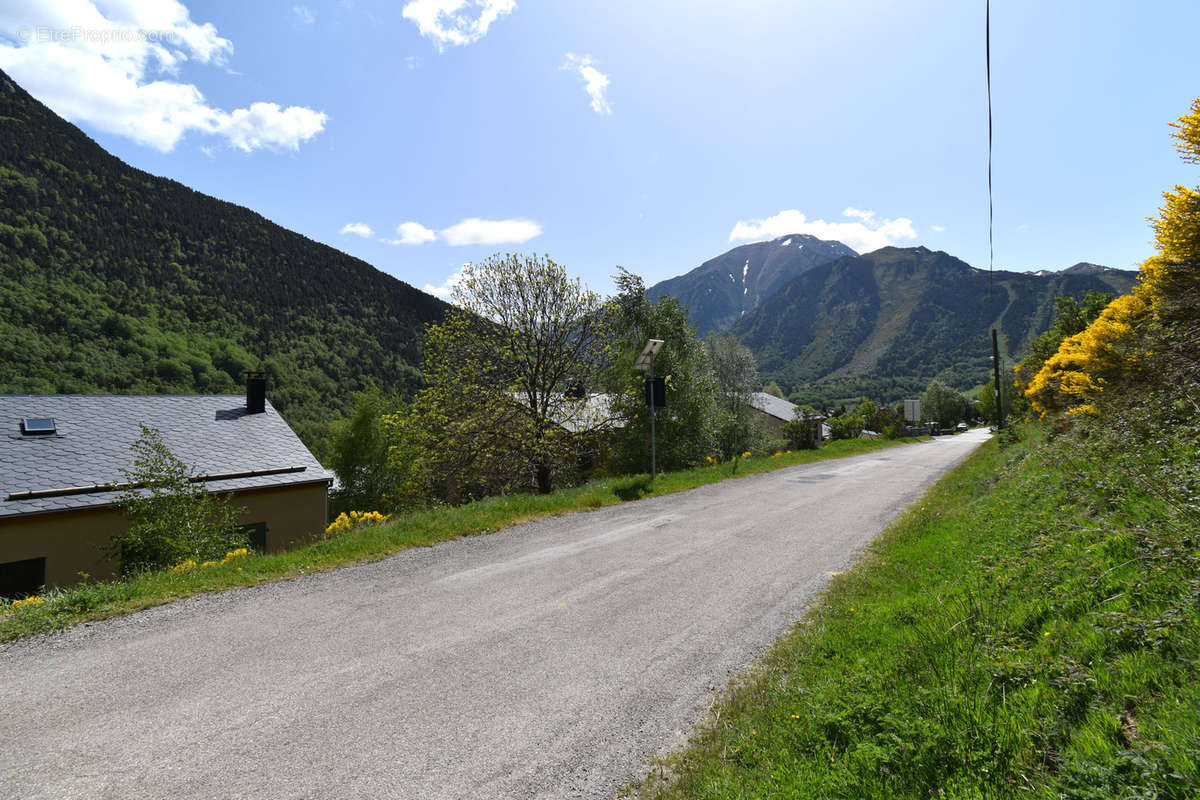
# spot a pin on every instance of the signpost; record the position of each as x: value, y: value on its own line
x: 645, y: 363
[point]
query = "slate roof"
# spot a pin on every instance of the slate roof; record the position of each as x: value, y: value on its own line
x: 212, y: 434
x: 592, y: 412
x: 775, y: 406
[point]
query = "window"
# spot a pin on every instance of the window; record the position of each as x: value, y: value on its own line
x: 38, y: 426
x: 257, y: 531
x: 22, y: 578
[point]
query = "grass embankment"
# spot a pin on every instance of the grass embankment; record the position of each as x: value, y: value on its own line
x: 1030, y: 629
x: 92, y: 601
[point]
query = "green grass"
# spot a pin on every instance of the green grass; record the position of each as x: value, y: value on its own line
x: 1029, y: 629
x: 96, y: 600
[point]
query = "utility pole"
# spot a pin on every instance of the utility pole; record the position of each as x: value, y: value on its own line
x: 996, y: 375
x: 645, y: 363
x: 653, y: 438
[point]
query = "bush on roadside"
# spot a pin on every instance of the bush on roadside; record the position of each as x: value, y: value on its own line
x: 349, y: 520
x: 172, y: 518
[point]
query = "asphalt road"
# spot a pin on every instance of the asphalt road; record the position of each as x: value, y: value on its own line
x: 549, y: 660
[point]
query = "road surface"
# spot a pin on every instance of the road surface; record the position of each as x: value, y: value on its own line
x: 549, y: 660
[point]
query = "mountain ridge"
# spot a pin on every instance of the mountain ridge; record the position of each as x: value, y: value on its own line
x: 906, y: 315
x: 728, y: 286
x: 121, y: 281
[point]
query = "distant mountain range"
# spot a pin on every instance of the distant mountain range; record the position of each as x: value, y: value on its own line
x: 115, y: 280
x: 722, y: 290
x: 882, y: 324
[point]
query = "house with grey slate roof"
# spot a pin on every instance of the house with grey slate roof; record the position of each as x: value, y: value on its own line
x: 777, y: 411
x: 61, y: 472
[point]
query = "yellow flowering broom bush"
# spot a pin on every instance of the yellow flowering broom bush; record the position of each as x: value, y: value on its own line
x: 190, y: 564
x: 354, y: 519
x: 1159, y: 314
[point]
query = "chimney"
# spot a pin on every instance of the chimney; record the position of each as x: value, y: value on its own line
x: 256, y: 392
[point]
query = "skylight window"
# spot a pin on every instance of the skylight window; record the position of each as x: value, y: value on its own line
x: 38, y: 426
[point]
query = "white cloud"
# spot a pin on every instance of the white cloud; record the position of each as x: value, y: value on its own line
x: 358, y: 229
x: 451, y: 22
x: 937, y: 228
x: 595, y: 82
x: 304, y: 14
x: 112, y: 69
x: 447, y: 288
x: 412, y: 233
x: 412, y: 62
x: 867, y: 234
x: 489, y: 231
x: 267, y: 125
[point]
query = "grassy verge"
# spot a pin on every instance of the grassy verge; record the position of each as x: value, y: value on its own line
x: 1031, y: 629
x: 92, y: 601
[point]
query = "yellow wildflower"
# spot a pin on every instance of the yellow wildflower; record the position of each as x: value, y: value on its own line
x: 345, y: 522
x: 241, y: 552
x: 32, y: 600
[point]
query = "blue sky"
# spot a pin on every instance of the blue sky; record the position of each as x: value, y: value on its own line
x: 654, y: 135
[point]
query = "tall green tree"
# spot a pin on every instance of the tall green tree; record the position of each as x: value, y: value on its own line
x: 943, y: 405
x: 358, y: 454
x: 1008, y: 396
x: 686, y: 428
x: 505, y: 370
x: 736, y: 375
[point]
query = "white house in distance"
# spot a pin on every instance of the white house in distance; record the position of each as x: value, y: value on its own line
x: 61, y: 462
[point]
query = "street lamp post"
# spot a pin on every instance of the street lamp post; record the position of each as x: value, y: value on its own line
x: 645, y: 363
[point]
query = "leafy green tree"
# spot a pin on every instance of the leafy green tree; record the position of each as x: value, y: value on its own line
x: 460, y: 438
x: 887, y: 422
x: 866, y: 409
x: 736, y: 375
x: 772, y: 388
x: 943, y: 405
x: 504, y: 371
x: 804, y: 428
x: 987, y: 399
x: 171, y: 517
x: 846, y: 426
x: 358, y: 453
x: 686, y: 428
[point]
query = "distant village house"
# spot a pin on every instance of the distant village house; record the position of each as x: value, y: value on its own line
x: 777, y: 412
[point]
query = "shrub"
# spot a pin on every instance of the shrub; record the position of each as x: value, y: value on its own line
x: 804, y: 429
x: 172, y: 519
x: 354, y: 519
x: 633, y: 487
x: 847, y: 427
x: 888, y: 423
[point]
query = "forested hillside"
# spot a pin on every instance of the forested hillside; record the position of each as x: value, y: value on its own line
x: 885, y: 323
x: 114, y: 280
